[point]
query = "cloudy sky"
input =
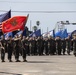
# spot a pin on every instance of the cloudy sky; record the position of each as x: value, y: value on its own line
x: 48, y: 12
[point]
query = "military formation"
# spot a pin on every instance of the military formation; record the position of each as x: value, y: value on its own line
x: 23, y: 46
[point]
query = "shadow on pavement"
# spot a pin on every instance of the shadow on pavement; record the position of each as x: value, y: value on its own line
x: 41, y: 62
x: 8, y: 73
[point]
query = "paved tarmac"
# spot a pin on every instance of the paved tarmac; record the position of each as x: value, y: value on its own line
x: 40, y: 65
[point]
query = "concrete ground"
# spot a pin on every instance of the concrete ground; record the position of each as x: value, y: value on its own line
x: 40, y: 65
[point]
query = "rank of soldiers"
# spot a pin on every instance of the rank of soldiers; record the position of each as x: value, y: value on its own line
x: 22, y: 46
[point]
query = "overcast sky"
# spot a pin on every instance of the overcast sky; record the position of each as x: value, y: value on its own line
x: 47, y: 11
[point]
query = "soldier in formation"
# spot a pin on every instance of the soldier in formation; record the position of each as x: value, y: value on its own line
x: 22, y: 46
x: 74, y: 44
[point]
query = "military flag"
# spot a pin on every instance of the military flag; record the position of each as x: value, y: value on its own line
x: 14, y: 23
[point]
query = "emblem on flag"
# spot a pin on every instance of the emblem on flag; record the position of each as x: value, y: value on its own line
x: 14, y: 22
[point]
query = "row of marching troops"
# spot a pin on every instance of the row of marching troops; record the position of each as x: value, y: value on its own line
x: 21, y: 45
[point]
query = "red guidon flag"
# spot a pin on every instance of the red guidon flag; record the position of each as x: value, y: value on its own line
x: 14, y: 23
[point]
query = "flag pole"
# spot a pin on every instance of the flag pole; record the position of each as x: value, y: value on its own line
x: 27, y: 19
x: 30, y: 24
x: 25, y: 23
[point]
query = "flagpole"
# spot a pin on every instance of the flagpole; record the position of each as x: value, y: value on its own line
x: 30, y: 24
x: 27, y: 18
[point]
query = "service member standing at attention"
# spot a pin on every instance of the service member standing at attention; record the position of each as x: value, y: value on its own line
x: 3, y: 47
x: 17, y: 48
x: 2, y: 50
x: 68, y: 45
x: 54, y: 45
x: 24, y: 49
x: 74, y: 44
x: 46, y: 46
x: 64, y: 45
x: 39, y: 45
x: 42, y: 46
x: 10, y: 48
x: 50, y: 45
x: 58, y: 45
x: 33, y: 42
